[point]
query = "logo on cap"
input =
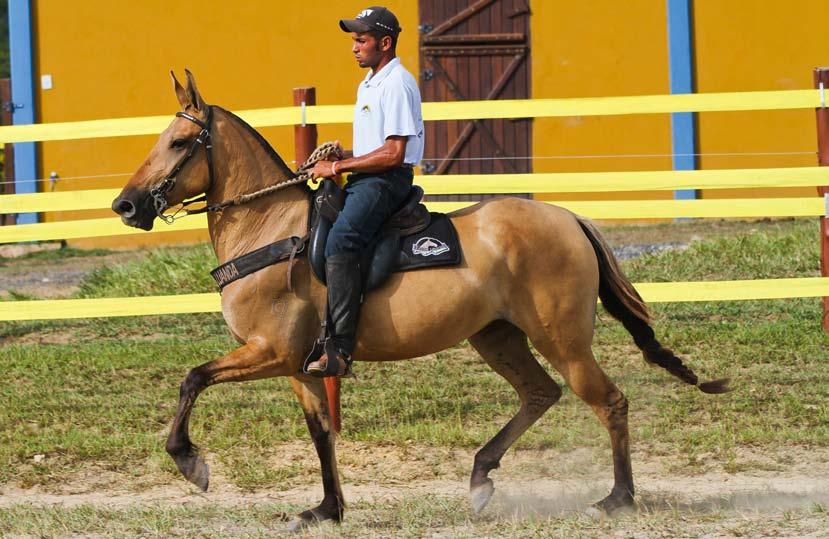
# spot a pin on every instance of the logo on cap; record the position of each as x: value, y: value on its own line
x: 372, y: 18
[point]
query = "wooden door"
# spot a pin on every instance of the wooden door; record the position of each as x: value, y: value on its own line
x: 475, y: 50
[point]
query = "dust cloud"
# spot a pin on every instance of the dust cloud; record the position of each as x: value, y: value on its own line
x: 542, y: 500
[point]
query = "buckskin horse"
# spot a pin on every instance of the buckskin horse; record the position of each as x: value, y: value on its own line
x: 506, y: 291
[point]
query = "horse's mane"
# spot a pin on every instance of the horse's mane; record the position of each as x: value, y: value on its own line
x: 262, y: 142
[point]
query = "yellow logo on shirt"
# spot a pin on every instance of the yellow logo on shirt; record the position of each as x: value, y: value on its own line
x: 365, y: 109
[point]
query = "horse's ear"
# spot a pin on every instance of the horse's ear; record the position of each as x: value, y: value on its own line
x: 193, y: 92
x: 181, y: 94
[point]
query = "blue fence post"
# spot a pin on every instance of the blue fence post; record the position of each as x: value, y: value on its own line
x: 23, y: 102
x: 681, y: 58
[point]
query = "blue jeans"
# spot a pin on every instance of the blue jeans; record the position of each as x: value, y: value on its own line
x: 370, y: 200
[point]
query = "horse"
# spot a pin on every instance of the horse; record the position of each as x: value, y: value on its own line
x: 534, y: 279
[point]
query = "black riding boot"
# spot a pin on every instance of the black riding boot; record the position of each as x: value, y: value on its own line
x: 342, y: 273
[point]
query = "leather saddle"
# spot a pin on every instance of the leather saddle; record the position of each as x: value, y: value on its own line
x: 381, y: 257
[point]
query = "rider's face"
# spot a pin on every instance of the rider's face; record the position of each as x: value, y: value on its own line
x: 368, y: 50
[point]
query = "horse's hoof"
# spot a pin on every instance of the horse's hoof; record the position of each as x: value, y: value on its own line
x: 480, y: 495
x: 194, y: 469
x: 200, y: 475
x: 309, y: 518
x: 615, y: 503
x: 594, y: 513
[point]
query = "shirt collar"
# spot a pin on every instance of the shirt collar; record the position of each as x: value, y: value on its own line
x: 381, y: 75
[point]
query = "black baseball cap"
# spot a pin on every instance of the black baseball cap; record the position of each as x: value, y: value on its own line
x: 375, y: 18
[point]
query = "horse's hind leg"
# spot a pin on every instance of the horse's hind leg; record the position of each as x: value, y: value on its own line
x: 504, y: 347
x: 312, y: 398
x: 249, y: 362
x: 587, y: 380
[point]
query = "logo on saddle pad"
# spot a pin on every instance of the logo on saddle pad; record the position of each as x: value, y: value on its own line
x: 427, y: 246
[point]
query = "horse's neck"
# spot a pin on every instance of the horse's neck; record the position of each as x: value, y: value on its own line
x: 242, y: 166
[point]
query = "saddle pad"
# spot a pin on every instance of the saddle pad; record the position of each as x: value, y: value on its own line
x: 437, y: 245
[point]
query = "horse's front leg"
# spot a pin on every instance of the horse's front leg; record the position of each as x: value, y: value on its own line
x: 312, y: 398
x: 252, y: 361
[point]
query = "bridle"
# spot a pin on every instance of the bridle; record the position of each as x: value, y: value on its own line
x: 159, y: 192
x: 289, y: 247
x: 325, y: 151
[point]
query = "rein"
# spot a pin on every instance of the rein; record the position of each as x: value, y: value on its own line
x: 324, y: 152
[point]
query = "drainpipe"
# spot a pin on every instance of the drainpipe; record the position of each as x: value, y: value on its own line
x: 22, y: 102
x: 681, y: 58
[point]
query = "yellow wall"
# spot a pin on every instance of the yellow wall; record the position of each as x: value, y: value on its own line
x: 594, y: 49
x: 605, y: 48
x: 758, y: 45
x: 111, y: 59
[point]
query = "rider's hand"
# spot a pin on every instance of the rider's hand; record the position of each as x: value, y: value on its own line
x: 322, y: 170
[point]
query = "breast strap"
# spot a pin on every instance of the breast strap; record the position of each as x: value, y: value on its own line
x: 261, y: 258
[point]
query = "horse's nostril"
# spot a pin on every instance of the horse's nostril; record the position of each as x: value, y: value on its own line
x: 124, y: 208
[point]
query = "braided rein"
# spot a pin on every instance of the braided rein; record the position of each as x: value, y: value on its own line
x: 324, y: 152
x: 327, y: 151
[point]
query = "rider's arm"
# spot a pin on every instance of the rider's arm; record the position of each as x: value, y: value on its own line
x: 388, y: 156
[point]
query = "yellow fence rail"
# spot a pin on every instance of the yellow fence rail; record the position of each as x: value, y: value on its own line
x: 502, y: 183
x: 600, y: 209
x: 463, y: 110
x: 559, y: 182
x: 210, y: 303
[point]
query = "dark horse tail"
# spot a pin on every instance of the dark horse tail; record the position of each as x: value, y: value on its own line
x: 624, y: 303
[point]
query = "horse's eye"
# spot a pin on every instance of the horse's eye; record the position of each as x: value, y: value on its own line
x: 178, y: 143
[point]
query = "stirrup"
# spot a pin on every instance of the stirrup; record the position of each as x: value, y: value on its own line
x: 324, y: 366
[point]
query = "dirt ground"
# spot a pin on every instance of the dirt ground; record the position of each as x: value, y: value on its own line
x: 531, y: 485
x: 52, y: 279
x: 541, y: 480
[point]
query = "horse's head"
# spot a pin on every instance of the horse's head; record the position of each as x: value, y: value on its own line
x: 177, y: 167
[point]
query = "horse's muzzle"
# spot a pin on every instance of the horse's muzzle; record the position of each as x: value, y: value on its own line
x: 135, y: 211
x: 124, y: 208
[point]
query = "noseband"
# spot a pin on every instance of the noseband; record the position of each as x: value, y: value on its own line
x: 159, y: 192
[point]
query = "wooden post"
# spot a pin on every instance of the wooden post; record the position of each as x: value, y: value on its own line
x: 822, y: 114
x: 305, y: 135
x: 305, y: 138
x: 8, y: 149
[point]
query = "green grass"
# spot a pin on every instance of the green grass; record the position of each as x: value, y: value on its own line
x: 767, y: 250
x: 106, y: 394
x: 152, y: 521
x: 413, y: 516
x: 163, y: 271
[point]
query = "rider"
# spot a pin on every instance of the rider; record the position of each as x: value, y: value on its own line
x: 388, y: 142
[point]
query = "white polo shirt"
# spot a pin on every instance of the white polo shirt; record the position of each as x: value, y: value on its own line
x: 389, y: 104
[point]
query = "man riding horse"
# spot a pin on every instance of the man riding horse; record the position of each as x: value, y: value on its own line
x: 388, y: 142
x: 529, y: 274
